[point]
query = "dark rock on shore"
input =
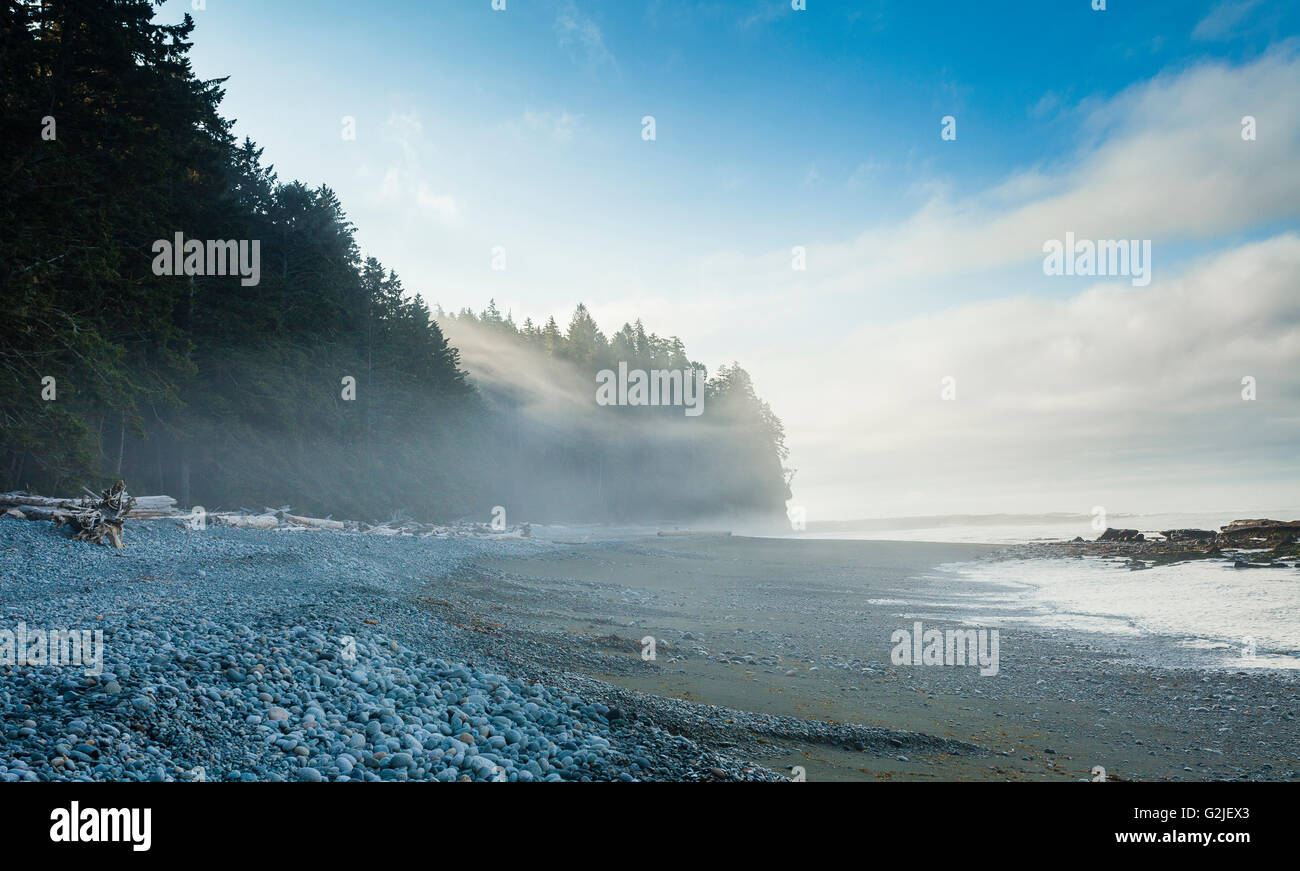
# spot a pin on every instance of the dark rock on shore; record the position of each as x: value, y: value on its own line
x: 1189, y: 534
x: 1121, y: 535
x: 1241, y: 562
x: 1271, y: 526
x: 1280, y: 538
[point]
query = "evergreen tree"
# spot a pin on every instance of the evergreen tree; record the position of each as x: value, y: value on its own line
x: 226, y: 394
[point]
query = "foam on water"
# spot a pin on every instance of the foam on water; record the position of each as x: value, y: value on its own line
x: 1202, y: 605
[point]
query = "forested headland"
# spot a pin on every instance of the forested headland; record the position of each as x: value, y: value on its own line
x: 227, y: 394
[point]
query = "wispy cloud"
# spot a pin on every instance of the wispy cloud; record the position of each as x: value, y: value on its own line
x: 406, y: 184
x: 559, y: 126
x: 863, y: 175
x: 1220, y: 21
x: 766, y: 12
x: 1164, y: 160
x: 579, y: 34
x: 1047, y: 104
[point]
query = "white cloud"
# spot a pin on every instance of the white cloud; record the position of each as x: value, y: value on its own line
x: 406, y: 184
x: 1066, y: 399
x: 1046, y: 105
x: 1220, y: 21
x: 577, y: 32
x: 1163, y: 161
x: 559, y: 126
x: 863, y: 175
x: 765, y: 13
x: 435, y: 205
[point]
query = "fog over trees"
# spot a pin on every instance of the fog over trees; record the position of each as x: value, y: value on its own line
x: 228, y: 394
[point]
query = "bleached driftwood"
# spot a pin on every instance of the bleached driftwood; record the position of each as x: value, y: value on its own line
x: 246, y: 521
x: 143, y: 504
x: 314, y: 522
x: 95, y: 518
x: 151, y: 507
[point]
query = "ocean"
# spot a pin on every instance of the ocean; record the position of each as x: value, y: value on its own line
x: 1197, y: 612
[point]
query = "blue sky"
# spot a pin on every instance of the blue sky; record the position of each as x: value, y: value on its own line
x: 820, y: 128
x: 764, y: 114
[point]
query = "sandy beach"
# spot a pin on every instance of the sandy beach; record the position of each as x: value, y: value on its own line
x: 802, y: 629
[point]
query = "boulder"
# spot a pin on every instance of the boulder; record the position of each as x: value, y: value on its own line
x: 1189, y: 534
x: 1112, y: 534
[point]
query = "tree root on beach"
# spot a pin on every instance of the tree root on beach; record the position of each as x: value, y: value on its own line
x: 98, y: 519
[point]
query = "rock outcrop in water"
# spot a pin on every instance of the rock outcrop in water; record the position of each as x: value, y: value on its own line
x: 1196, y: 535
x: 1271, y: 533
x: 1246, y: 543
x: 1121, y: 535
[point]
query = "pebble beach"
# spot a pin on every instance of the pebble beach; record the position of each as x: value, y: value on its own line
x: 224, y: 660
x: 314, y: 655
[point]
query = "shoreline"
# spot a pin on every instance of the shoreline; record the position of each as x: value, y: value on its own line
x: 769, y: 654
x: 1064, y: 702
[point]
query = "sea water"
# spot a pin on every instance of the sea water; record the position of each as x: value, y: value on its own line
x: 1238, y: 618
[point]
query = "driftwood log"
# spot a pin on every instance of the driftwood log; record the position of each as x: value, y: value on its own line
x: 143, y: 504
x: 99, y: 518
x: 315, y: 522
x: 96, y: 519
x: 246, y: 521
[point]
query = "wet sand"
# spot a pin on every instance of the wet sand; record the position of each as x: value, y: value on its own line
x: 801, y: 629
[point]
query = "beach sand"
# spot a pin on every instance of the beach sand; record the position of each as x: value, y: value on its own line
x: 801, y: 629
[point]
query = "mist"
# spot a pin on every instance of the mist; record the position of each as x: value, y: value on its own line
x: 554, y: 454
